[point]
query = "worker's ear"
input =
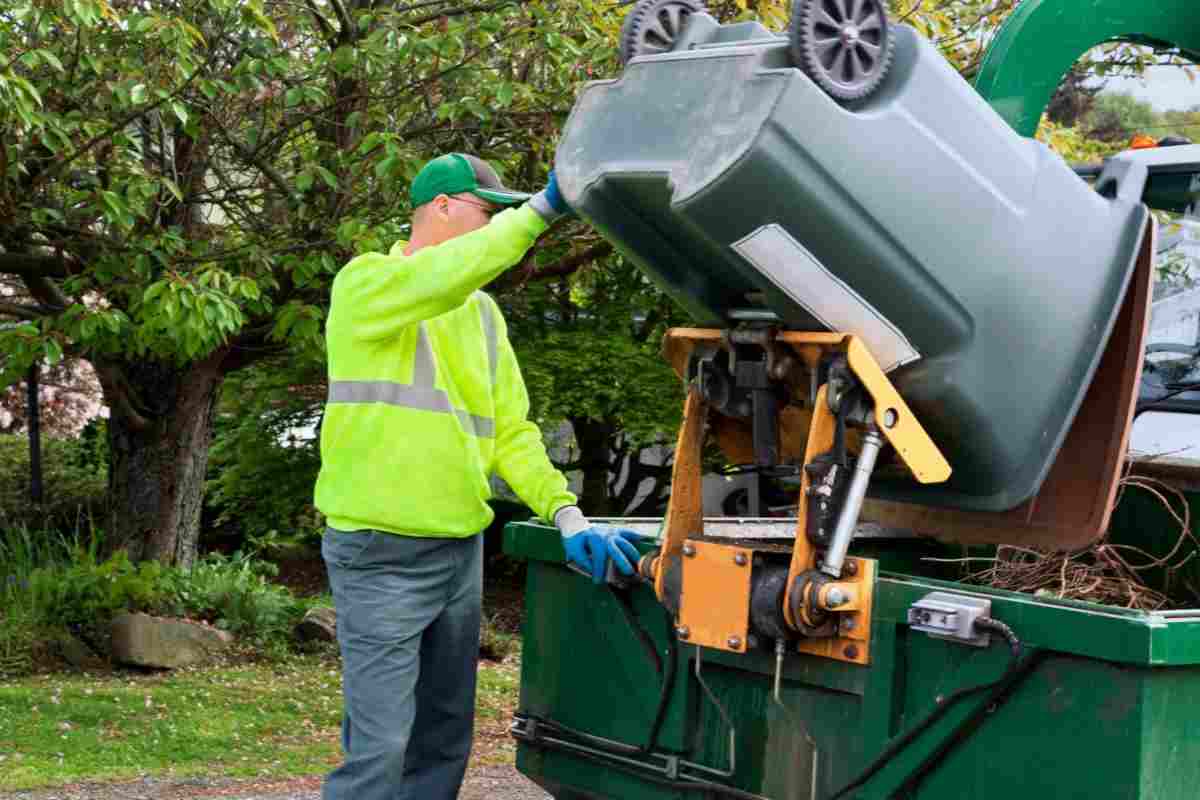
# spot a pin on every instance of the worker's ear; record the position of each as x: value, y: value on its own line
x: 441, y: 207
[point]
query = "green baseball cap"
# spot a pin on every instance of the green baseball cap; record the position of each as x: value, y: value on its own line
x: 458, y: 173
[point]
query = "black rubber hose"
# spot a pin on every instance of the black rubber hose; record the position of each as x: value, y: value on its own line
x: 892, y: 750
x: 964, y: 729
x: 666, y: 672
x: 623, y: 600
x: 668, y: 685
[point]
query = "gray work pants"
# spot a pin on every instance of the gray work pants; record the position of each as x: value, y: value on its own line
x: 408, y: 614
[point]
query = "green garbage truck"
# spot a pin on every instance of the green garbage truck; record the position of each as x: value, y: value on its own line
x: 979, y: 364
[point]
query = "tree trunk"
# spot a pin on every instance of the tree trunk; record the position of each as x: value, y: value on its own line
x: 159, y: 443
x: 595, y: 438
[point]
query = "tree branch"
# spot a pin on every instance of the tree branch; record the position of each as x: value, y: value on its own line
x: 46, y: 292
x: 322, y: 23
x: 347, y: 23
x: 415, y: 6
x: 23, y: 311
x: 58, y: 166
x: 570, y: 264
x: 28, y: 265
x: 251, y: 346
x: 113, y: 382
x: 458, y: 12
x: 526, y: 273
x: 250, y: 155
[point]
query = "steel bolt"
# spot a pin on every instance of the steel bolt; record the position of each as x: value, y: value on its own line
x: 851, y: 651
x: 890, y: 418
x: 740, y: 559
x: 939, y: 699
x: 836, y: 597
x: 689, y: 550
x: 683, y: 631
x: 734, y: 642
x: 850, y: 568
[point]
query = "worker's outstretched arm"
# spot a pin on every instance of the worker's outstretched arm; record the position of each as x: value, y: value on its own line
x: 378, y: 295
x: 522, y: 461
x: 520, y: 454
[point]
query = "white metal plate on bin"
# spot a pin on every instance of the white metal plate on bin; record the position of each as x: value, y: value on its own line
x: 790, y: 266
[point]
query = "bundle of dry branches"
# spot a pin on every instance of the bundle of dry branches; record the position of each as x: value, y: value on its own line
x: 1106, y: 572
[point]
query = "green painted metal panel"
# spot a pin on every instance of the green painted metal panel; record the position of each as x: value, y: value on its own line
x: 1108, y: 712
x: 620, y: 692
x: 1170, y: 724
x: 1042, y: 39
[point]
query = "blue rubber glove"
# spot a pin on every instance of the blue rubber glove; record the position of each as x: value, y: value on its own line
x: 549, y: 202
x: 591, y: 547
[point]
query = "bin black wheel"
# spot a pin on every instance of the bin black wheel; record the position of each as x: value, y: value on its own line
x: 845, y: 46
x: 654, y: 25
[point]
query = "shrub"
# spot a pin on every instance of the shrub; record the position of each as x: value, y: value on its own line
x: 261, y: 476
x: 19, y: 637
x: 24, y: 549
x: 74, y: 484
x: 233, y: 593
x: 85, y: 595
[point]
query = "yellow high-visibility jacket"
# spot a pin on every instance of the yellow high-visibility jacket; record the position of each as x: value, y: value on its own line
x: 426, y: 399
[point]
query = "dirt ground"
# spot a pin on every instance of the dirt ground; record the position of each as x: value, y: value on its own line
x: 483, y: 783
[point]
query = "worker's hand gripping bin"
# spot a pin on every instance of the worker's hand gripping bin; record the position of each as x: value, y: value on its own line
x: 931, y: 322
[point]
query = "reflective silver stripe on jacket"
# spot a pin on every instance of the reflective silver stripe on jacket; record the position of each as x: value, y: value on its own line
x: 422, y: 394
x: 489, y: 329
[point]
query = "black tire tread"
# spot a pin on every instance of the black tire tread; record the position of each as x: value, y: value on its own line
x: 631, y: 28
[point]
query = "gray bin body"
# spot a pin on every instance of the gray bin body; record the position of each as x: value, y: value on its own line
x: 982, y: 273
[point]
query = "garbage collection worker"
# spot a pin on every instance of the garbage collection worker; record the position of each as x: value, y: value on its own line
x: 425, y: 402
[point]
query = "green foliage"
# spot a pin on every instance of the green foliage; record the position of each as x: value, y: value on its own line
x: 1072, y: 144
x: 589, y: 347
x: 206, y: 167
x: 23, y: 550
x: 50, y: 586
x: 496, y: 644
x: 74, y: 485
x: 87, y: 593
x: 573, y: 374
x: 179, y: 183
x: 234, y: 594
x: 261, y: 473
x: 93, y: 448
x: 19, y: 635
x: 24, y: 553
x: 1118, y: 116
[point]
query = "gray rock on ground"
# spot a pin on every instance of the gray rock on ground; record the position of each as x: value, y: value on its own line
x: 319, y: 624
x: 76, y: 653
x: 146, y: 641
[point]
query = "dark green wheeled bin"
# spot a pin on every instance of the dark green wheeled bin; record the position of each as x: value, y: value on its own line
x: 981, y: 272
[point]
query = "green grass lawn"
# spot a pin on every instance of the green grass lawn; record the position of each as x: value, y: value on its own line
x: 260, y: 721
